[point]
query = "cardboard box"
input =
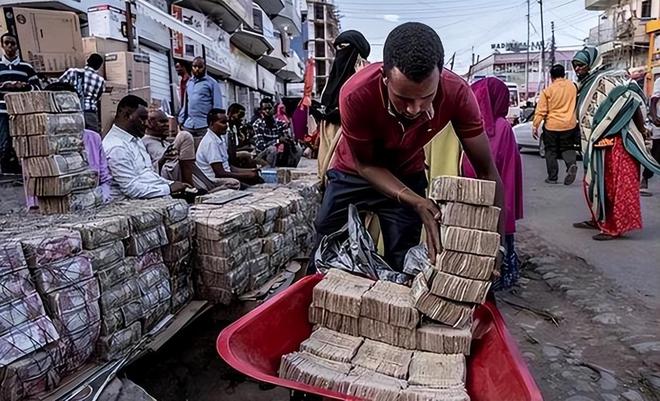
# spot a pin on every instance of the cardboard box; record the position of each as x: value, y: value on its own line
x: 49, y: 40
x: 130, y: 69
x: 102, y: 46
x: 106, y: 21
x: 109, y: 101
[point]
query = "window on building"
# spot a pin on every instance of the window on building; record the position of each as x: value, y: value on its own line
x: 645, y: 12
x: 319, y: 49
x: 318, y: 11
x: 320, y: 68
x: 319, y: 31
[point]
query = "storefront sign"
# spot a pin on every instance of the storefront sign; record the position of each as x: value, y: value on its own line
x: 514, y: 46
x: 182, y: 46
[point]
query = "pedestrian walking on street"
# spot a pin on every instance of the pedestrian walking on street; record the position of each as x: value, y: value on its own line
x: 202, y: 94
x: 654, y: 116
x: 493, y: 97
x: 556, y: 110
x: 613, y: 133
x: 15, y: 76
x: 90, y: 86
x: 351, y: 52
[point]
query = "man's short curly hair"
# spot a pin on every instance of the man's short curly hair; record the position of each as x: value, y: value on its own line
x: 415, y: 49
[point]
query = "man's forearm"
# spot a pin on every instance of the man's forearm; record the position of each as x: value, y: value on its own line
x: 387, y: 183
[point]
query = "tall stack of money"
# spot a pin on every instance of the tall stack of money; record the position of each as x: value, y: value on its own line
x: 460, y: 279
x: 47, y: 132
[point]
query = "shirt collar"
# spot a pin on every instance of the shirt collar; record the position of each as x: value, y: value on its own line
x: 123, y: 135
x: 199, y: 79
x: 7, y: 62
x: 90, y: 69
x: 387, y: 104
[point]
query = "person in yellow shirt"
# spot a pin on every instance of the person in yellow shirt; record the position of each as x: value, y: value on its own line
x: 556, y: 110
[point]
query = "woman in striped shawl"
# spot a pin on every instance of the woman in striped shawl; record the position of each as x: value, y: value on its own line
x: 611, y: 109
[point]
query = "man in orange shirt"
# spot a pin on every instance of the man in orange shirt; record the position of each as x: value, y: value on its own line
x: 556, y: 109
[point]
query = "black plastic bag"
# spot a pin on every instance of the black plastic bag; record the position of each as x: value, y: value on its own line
x: 352, y: 249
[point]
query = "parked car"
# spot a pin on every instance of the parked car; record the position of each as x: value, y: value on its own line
x: 525, y: 137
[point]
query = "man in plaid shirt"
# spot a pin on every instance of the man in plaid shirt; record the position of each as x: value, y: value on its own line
x: 90, y: 86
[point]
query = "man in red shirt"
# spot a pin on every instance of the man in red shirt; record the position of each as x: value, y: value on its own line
x: 389, y: 111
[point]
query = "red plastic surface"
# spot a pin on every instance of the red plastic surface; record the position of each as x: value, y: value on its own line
x: 254, y: 344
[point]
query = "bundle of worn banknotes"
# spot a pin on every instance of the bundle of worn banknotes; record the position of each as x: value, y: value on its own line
x: 75, y: 288
x: 47, y: 134
x: 385, y: 341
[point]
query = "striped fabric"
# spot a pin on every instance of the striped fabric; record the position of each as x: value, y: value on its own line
x: 18, y: 71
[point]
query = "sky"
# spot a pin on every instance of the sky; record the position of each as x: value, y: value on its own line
x: 463, y: 24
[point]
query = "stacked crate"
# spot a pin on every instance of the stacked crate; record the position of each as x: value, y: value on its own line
x: 47, y: 132
x: 459, y: 280
x: 30, y: 350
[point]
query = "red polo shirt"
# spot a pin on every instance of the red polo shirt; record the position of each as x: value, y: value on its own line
x: 368, y: 124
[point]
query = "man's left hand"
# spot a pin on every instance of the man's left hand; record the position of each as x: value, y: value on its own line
x: 535, y: 132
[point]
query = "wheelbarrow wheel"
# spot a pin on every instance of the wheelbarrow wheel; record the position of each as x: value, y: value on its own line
x: 300, y: 396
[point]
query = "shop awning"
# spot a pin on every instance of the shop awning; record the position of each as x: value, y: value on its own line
x: 271, y: 7
x: 216, y: 10
x: 293, y: 72
x: 162, y: 17
x: 251, y: 43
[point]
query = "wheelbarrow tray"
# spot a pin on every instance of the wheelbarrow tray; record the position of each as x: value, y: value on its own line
x: 255, y: 343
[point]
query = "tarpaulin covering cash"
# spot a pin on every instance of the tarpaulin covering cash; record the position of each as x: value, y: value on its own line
x: 75, y: 288
x: 243, y: 243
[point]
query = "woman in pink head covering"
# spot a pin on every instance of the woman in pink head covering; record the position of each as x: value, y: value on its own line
x: 493, y: 98
x: 280, y: 113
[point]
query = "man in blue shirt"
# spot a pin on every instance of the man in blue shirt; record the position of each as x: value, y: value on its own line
x: 202, y: 94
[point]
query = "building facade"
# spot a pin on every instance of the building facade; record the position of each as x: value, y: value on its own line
x: 511, y: 67
x: 246, y: 44
x: 322, y: 24
x: 621, y: 35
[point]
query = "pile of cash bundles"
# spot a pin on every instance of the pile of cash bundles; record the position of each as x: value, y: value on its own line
x: 47, y: 133
x: 242, y: 243
x: 30, y: 347
x: 448, y: 291
x: 370, y: 342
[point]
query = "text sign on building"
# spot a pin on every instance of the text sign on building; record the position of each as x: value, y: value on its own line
x: 515, y: 46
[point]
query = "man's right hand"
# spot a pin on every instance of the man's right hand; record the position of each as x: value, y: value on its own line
x: 431, y: 216
x: 177, y: 187
x: 535, y: 133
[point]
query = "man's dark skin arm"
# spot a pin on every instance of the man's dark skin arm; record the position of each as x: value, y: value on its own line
x: 220, y: 172
x: 638, y: 118
x: 187, y: 170
x: 381, y: 178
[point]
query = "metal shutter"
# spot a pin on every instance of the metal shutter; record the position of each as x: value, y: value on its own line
x: 159, y: 73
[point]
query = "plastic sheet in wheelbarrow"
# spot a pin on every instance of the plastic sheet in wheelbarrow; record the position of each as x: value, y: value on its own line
x: 254, y: 344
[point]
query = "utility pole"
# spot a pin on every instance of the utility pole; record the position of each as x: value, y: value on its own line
x: 453, y: 59
x: 542, y: 63
x: 129, y: 26
x: 527, y: 63
x: 553, y: 44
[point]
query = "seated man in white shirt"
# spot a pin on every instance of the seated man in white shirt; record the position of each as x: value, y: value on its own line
x: 133, y: 175
x: 213, y: 157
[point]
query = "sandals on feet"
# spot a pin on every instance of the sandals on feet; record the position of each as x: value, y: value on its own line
x: 604, y: 237
x: 587, y: 225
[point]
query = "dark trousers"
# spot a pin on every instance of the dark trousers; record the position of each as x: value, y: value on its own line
x: 92, y: 120
x: 8, y: 161
x: 655, y: 152
x: 400, y: 225
x: 558, y: 143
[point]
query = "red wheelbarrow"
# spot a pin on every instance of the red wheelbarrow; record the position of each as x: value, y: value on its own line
x: 254, y: 344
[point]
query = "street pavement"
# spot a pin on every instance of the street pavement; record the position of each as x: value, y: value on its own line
x: 633, y: 263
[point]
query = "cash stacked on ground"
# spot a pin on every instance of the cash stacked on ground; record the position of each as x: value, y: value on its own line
x: 30, y: 346
x: 460, y: 278
x: 47, y: 132
x: 369, y: 343
x: 241, y: 244
x: 126, y: 242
